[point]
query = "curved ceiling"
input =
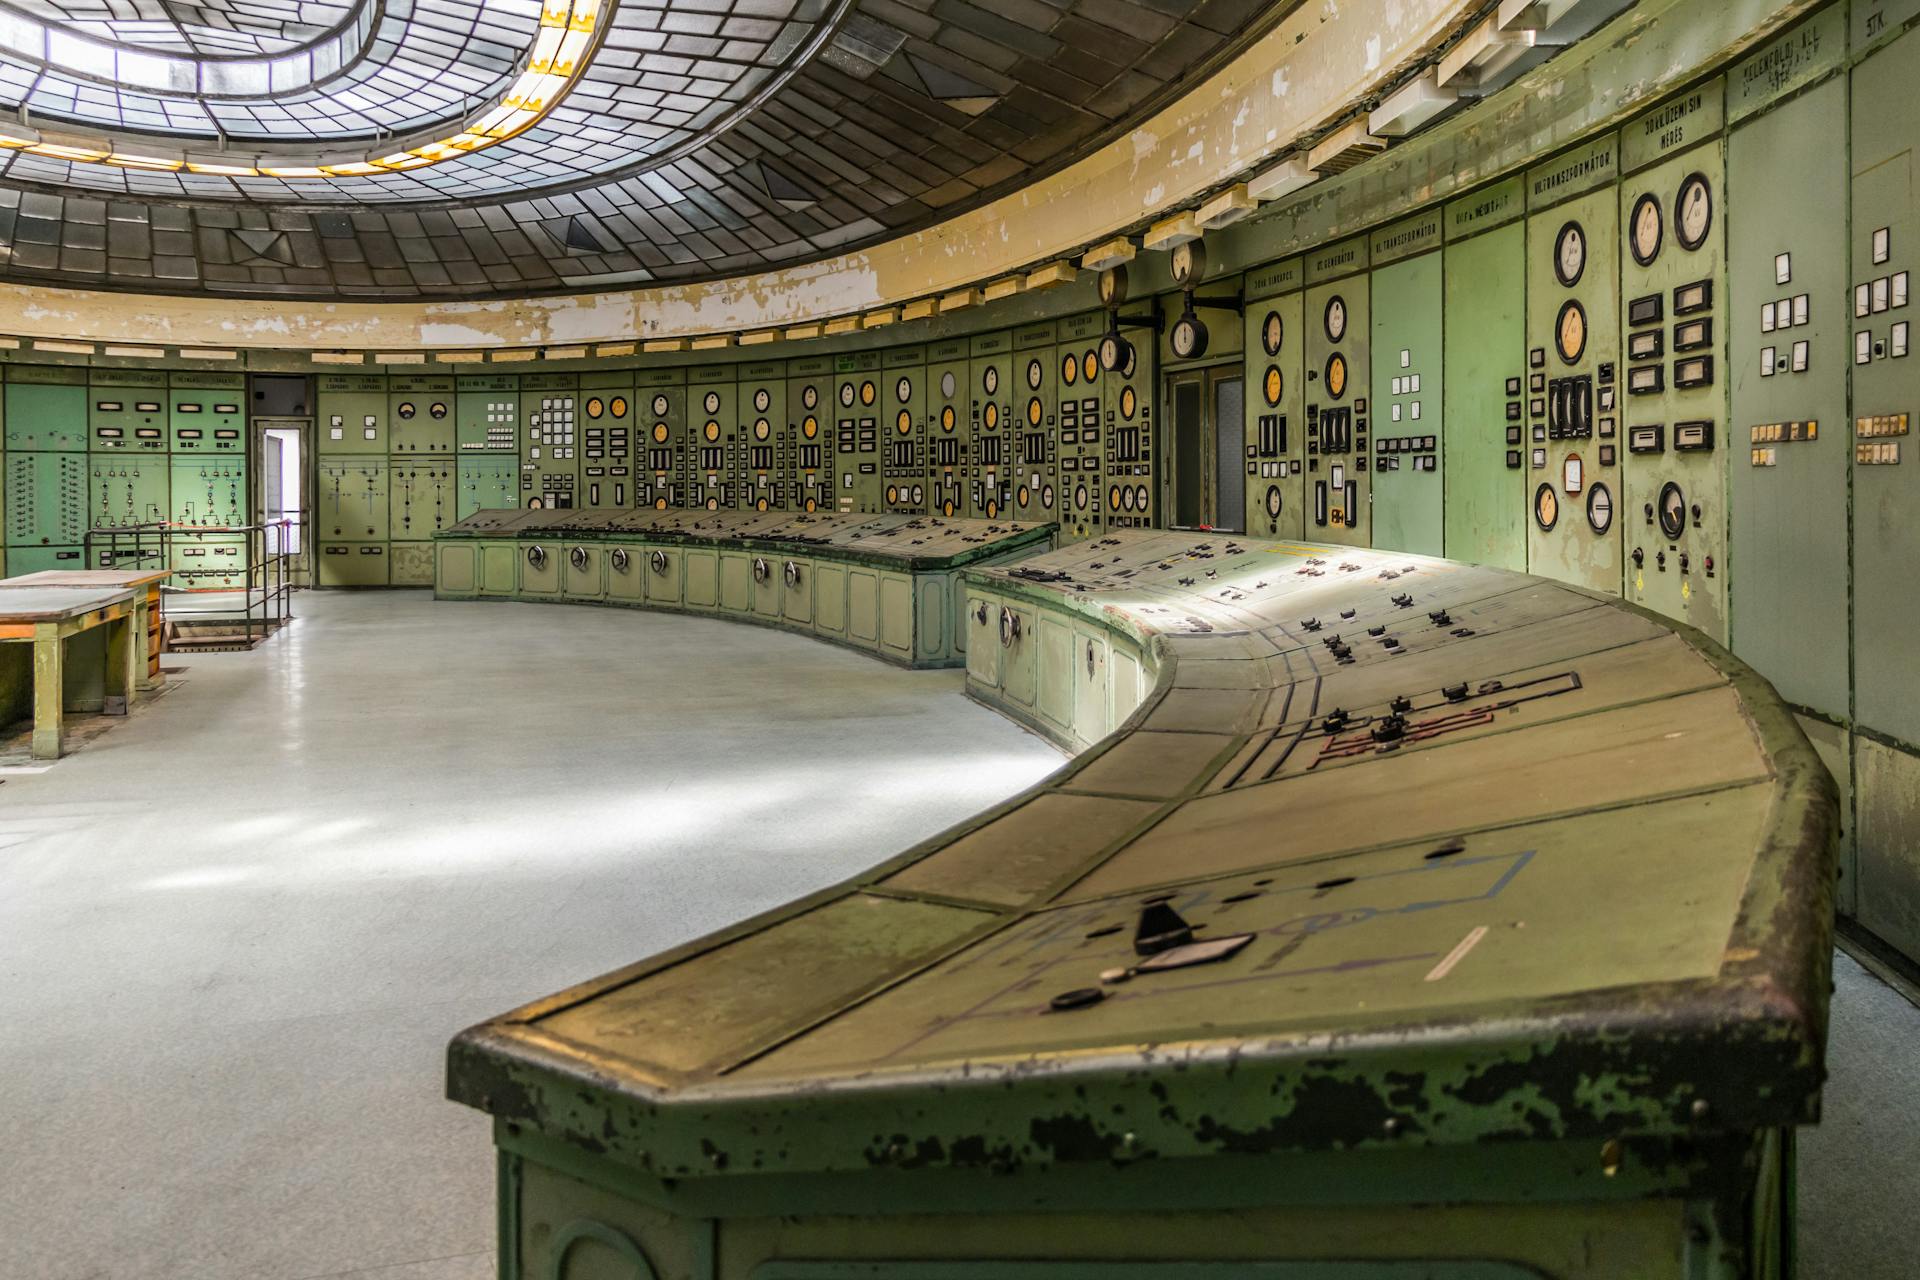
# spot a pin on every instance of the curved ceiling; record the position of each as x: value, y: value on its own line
x: 698, y: 139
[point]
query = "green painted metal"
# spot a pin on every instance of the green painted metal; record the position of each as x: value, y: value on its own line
x: 1084, y: 413
x: 351, y: 499
x: 351, y: 413
x: 1484, y: 453
x: 485, y: 482
x: 208, y: 489
x: 663, y: 465
x: 1673, y: 152
x: 423, y: 497
x: 46, y: 503
x: 127, y: 411
x: 1339, y: 410
x: 207, y: 412
x: 1787, y: 497
x: 712, y: 481
x: 949, y: 429
x: 606, y: 440
x: 1409, y: 389
x: 487, y: 414
x: 991, y: 414
x: 550, y: 414
x: 46, y: 417
x: 125, y: 489
x: 1573, y: 451
x: 1276, y: 339
x: 421, y: 410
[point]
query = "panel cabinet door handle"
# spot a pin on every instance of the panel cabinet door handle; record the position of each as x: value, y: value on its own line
x: 537, y: 556
x: 577, y: 557
x: 980, y: 612
x: 659, y: 562
x: 793, y: 573
x: 761, y: 572
x: 619, y: 559
x: 1009, y: 627
x: 1089, y: 659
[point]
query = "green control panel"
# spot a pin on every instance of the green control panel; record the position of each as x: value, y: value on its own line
x: 1338, y: 411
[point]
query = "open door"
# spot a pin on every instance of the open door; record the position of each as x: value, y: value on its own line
x: 282, y: 491
x: 1208, y: 434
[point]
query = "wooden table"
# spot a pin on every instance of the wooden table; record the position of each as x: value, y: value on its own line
x: 48, y: 617
x: 145, y: 581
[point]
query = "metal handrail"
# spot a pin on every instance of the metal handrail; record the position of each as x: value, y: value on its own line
x: 267, y: 579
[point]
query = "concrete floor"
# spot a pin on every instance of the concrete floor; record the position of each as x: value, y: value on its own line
x: 225, y: 991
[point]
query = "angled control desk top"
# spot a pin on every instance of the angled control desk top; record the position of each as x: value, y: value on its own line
x: 1394, y: 853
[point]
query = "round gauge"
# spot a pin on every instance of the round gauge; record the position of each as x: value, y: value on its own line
x: 993, y: 416
x: 1113, y: 286
x: 1079, y: 497
x: 1046, y: 496
x: 903, y: 390
x: 1069, y: 369
x: 893, y: 494
x: 846, y: 395
x: 1189, y: 337
x: 713, y: 402
x: 1126, y: 499
x: 406, y: 409
x: 1336, y: 375
x: 1599, y: 508
x: 1189, y: 262
x: 761, y: 429
x: 948, y: 384
x: 1113, y: 498
x: 990, y: 380
x: 1131, y: 362
x: 868, y: 393
x: 1646, y: 229
x: 810, y: 427
x: 1272, y: 384
x: 1115, y: 351
x: 1693, y: 212
x: 713, y: 504
x: 1020, y: 496
x: 596, y: 407
x: 617, y: 406
x: 1089, y: 366
x: 436, y: 410
x: 1273, y: 501
x: 1033, y: 412
x: 1570, y: 331
x: 659, y: 433
x: 1570, y: 254
x: 1335, y: 318
x: 903, y: 423
x: 1546, y: 506
x: 760, y: 504
x: 1140, y: 497
x: 1673, y: 510
x: 919, y: 495
x: 810, y: 397
x: 711, y: 430
x: 1128, y: 402
x: 761, y: 399
x: 993, y: 507
x: 947, y: 418
x: 1271, y: 331
x: 946, y: 508
x: 812, y: 505
x: 660, y: 405
x: 660, y: 504
x: 1034, y: 374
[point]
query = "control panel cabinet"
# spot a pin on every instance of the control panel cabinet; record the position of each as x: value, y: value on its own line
x: 626, y: 574
x: 583, y: 570
x: 809, y: 419
x: 351, y: 499
x: 1788, y: 448
x: 487, y: 415
x: 46, y: 409
x: 1081, y: 413
x: 990, y: 419
x: 352, y: 414
x: 127, y: 411
x: 765, y: 439
x: 1574, y: 384
x: 982, y: 625
x: 1673, y: 418
x: 661, y: 461
x: 1408, y: 391
x: 207, y: 412
x: 1036, y: 424
x: 550, y: 448
x: 485, y: 482
x: 420, y: 408
x: 126, y: 489
x: 711, y: 480
x: 796, y: 590
x: 606, y: 440
x: 208, y: 489
x: 46, y: 505
x: 1335, y: 316
x: 663, y: 578
x: 903, y: 451
x: 423, y: 496
x: 218, y: 562
x: 949, y: 430
x: 856, y: 431
x: 543, y: 567
x: 1276, y: 443
x: 1484, y: 358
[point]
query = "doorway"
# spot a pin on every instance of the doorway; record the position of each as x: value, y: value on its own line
x: 1208, y: 430
x: 282, y: 492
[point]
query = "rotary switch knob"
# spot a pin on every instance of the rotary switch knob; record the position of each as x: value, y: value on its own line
x: 659, y: 562
x: 792, y: 573
x: 761, y: 570
x: 619, y: 558
x: 1009, y: 627
x: 537, y: 557
x: 1639, y: 557
x: 577, y: 558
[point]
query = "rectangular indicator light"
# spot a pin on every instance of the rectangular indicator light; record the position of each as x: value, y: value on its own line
x: 1648, y: 439
x: 1692, y: 437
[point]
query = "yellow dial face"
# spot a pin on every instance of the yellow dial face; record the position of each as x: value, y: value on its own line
x: 711, y: 430
x: 1570, y: 335
x: 946, y: 418
x: 761, y: 429
x: 1128, y: 402
x: 659, y: 433
x: 993, y: 415
x: 595, y: 407
x: 903, y: 423
x: 1272, y: 385
x: 867, y: 393
x: 1090, y: 365
x: 618, y: 407
x: 810, y: 428
x: 1069, y: 368
x: 1336, y: 375
x: 1546, y: 506
x: 1033, y: 412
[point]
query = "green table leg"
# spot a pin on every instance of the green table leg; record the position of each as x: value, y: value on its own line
x: 123, y: 676
x: 48, y: 699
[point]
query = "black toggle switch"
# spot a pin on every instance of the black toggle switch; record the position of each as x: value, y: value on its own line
x: 1377, y: 631
x: 1441, y: 618
x: 1455, y: 692
x: 1336, y: 720
x: 1401, y: 704
x: 1310, y: 624
x: 1639, y: 557
x: 1389, y: 729
x: 1660, y: 561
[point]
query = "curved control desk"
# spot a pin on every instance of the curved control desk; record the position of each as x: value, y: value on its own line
x: 1404, y: 919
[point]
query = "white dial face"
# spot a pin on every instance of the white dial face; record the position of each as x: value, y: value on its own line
x: 846, y: 394
x: 1189, y: 260
x: 1696, y: 212
x: 1336, y: 319
x: 1570, y: 254
x: 1034, y: 374
x: 1185, y: 337
x: 1600, y: 508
